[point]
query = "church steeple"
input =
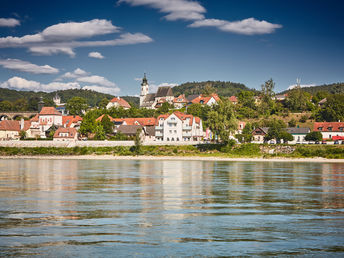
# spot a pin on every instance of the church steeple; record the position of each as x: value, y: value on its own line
x: 144, y: 89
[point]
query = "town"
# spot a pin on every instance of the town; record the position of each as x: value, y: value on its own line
x: 163, y: 118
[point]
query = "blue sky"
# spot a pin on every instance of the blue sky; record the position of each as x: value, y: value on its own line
x: 108, y: 45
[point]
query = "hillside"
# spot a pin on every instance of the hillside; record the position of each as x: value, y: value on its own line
x: 221, y: 88
x: 92, y: 97
x: 333, y: 88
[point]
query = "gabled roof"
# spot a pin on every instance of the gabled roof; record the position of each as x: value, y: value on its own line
x: 190, y: 98
x: 71, y: 132
x: 265, y: 130
x: 69, y: 120
x: 101, y: 117
x: 164, y: 92
x: 149, y: 97
x: 49, y: 111
x: 233, y: 99
x: 204, y: 100
x: 144, y: 121
x: 335, y: 126
x: 35, y: 118
x: 298, y: 130
x: 181, y: 116
x: 122, y: 102
x: 180, y: 99
x: 129, y: 129
x: 13, y: 125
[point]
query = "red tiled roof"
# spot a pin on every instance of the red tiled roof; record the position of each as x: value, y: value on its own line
x: 204, y: 99
x: 69, y: 120
x: 35, y: 118
x: 336, y: 126
x: 101, y: 117
x: 49, y: 111
x: 180, y: 99
x: 71, y: 132
x: 145, y: 121
x: 233, y: 99
x: 181, y: 116
x: 13, y: 125
x: 121, y: 102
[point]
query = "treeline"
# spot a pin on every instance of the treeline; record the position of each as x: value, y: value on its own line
x: 13, y: 100
x: 221, y: 88
x: 333, y: 88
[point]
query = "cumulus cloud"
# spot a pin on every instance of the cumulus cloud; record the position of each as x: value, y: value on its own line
x: 96, y: 55
x: 23, y: 66
x: 19, y: 83
x: 249, y: 26
x: 63, y: 38
x: 95, y: 79
x: 75, y: 74
x: 112, y: 90
x: 9, y: 22
x: 175, y: 9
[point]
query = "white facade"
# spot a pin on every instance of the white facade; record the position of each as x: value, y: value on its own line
x: 173, y: 128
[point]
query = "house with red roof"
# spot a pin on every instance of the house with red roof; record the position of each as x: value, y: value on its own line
x: 233, y: 100
x: 178, y: 127
x: 213, y: 99
x: 10, y: 129
x: 71, y: 121
x: 180, y: 101
x: 118, y: 102
x: 47, y: 117
x: 329, y: 129
x: 65, y: 134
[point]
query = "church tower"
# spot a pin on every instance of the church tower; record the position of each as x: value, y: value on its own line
x: 144, y: 89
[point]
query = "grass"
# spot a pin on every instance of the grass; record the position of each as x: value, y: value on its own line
x: 204, y: 150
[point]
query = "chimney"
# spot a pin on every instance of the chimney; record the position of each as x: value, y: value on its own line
x: 21, y: 124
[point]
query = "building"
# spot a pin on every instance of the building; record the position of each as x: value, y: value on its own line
x: 259, y: 134
x: 233, y: 100
x: 241, y: 126
x: 178, y: 127
x: 65, y: 134
x: 329, y: 129
x: 61, y: 107
x: 213, y: 99
x: 47, y: 117
x: 72, y: 121
x: 180, y: 101
x: 118, y: 102
x: 154, y: 100
x: 298, y: 133
x: 10, y: 129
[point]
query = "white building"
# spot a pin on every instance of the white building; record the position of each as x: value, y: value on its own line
x: 118, y: 102
x: 329, y: 129
x: 47, y: 117
x: 177, y: 127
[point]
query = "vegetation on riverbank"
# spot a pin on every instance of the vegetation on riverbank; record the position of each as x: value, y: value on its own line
x: 205, y: 150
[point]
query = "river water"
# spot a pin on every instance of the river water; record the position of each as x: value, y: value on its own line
x: 125, y: 208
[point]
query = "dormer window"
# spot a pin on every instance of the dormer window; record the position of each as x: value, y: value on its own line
x: 320, y: 128
x: 341, y: 129
x: 329, y: 128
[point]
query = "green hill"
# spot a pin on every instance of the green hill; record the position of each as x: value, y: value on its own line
x: 333, y: 88
x: 92, y: 97
x: 221, y: 88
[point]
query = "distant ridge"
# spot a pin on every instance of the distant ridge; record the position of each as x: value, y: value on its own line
x: 333, y: 88
x: 222, y: 88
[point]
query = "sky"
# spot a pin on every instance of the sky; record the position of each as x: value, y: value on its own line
x: 107, y: 46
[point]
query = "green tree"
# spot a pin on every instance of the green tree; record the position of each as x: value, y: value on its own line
x: 6, y: 106
x: 195, y: 109
x: 222, y: 120
x: 103, y: 103
x: 246, y: 135
x: 267, y: 103
x: 313, y: 136
x: 107, y: 124
x: 20, y: 105
x: 138, y: 142
x: 292, y: 122
x: 285, y: 136
x: 298, y: 100
x: 246, y: 99
x: 208, y: 90
x: 333, y: 109
x: 76, y: 106
x: 99, y: 132
x: 276, y: 127
x: 165, y: 107
x: 22, y: 135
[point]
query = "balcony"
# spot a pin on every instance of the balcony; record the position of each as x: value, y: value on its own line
x: 159, y: 128
x: 187, y: 134
x: 187, y: 128
x: 158, y: 134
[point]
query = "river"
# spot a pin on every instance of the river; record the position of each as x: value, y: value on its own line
x: 121, y: 208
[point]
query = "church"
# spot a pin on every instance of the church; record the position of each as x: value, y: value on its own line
x: 154, y: 100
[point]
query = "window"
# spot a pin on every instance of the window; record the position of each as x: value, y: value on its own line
x: 320, y: 128
x: 329, y: 128
x: 330, y: 136
x: 170, y: 131
x: 175, y: 131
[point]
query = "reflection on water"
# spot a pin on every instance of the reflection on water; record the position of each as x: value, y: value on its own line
x: 170, y: 208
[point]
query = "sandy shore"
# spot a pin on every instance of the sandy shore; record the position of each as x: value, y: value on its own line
x: 195, y: 158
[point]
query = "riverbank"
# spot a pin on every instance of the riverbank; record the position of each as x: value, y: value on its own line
x: 205, y: 151
x: 183, y: 158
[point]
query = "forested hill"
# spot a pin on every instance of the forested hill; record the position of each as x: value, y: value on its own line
x: 92, y: 97
x: 333, y: 88
x: 221, y: 88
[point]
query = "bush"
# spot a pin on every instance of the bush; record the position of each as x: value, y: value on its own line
x: 303, y: 119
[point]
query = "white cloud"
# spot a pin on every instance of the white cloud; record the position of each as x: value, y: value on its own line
x: 112, y: 90
x: 9, y: 22
x: 175, y: 9
x: 95, y: 79
x: 249, y: 26
x: 19, y: 83
x: 302, y: 86
x: 23, y: 66
x: 63, y: 38
x: 75, y: 74
x: 96, y: 55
